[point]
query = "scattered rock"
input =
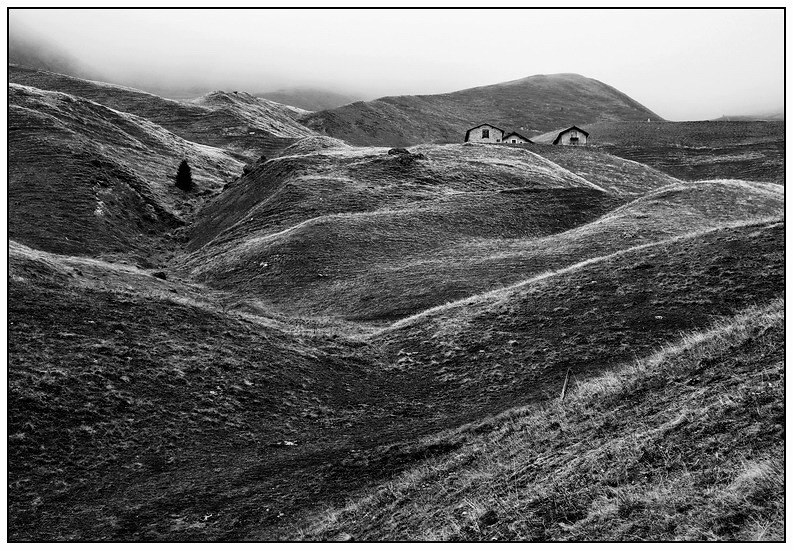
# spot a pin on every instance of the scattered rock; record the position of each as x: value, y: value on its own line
x: 488, y: 518
x: 160, y: 275
x: 284, y: 443
x: 404, y: 156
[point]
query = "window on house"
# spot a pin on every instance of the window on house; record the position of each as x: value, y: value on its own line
x: 514, y: 141
x: 485, y: 133
x: 573, y: 139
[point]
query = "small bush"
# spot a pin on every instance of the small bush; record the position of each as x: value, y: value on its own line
x: 184, y: 177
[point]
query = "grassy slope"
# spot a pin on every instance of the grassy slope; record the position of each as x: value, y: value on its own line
x: 519, y: 341
x: 314, y: 217
x: 695, y: 150
x: 530, y: 105
x: 405, y: 286
x: 138, y: 409
x: 124, y: 404
x: 686, y: 444
x: 295, y: 188
x: 308, y: 98
x: 166, y: 439
x: 220, y: 119
x: 87, y: 179
x: 457, y: 193
x: 375, y: 266
x: 612, y: 173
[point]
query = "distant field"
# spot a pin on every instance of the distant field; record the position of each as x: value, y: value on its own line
x: 695, y: 150
x: 678, y: 134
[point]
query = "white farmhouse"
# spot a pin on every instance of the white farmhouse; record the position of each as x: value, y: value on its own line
x: 485, y: 133
x: 514, y: 137
x: 572, y: 136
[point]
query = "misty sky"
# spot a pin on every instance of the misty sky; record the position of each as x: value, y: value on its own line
x: 682, y: 64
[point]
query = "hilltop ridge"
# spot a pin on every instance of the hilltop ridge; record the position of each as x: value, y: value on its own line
x: 244, y: 125
x: 531, y: 105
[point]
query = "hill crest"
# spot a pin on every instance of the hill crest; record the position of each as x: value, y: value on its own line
x: 533, y: 104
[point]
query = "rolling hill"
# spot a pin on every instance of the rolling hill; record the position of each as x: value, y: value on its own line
x: 695, y: 150
x: 87, y: 179
x: 530, y: 105
x: 188, y: 423
x: 342, y: 342
x: 244, y: 125
x: 334, y: 232
x: 630, y: 455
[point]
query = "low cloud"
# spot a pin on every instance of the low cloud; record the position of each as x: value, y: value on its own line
x: 684, y: 65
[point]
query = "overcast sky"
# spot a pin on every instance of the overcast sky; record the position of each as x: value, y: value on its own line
x: 682, y: 64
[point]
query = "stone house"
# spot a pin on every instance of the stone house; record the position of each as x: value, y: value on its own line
x: 485, y: 133
x: 572, y: 136
x: 514, y: 137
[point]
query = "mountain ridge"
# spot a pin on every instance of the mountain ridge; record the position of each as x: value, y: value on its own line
x: 533, y: 105
x: 246, y: 126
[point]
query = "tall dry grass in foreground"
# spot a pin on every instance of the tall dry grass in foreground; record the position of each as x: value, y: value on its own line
x: 686, y: 444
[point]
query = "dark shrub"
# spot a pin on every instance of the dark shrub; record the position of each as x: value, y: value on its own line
x: 184, y: 177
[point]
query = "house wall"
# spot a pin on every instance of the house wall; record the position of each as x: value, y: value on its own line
x: 565, y: 140
x: 495, y: 135
x: 517, y: 139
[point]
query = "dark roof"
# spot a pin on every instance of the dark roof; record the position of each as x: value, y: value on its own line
x: 485, y: 124
x: 567, y: 130
x: 516, y: 134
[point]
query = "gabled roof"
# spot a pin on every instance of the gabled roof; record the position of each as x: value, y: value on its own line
x: 516, y: 134
x: 567, y: 130
x: 485, y: 124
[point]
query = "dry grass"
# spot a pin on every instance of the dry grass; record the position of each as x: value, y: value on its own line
x: 683, y: 445
x: 694, y: 151
x: 333, y: 231
x: 242, y: 125
x: 144, y: 405
x: 87, y: 179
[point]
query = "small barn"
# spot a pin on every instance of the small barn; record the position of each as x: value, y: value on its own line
x: 485, y: 133
x: 514, y: 137
x: 572, y: 136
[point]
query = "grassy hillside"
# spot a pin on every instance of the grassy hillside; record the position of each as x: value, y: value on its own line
x: 530, y: 105
x: 316, y: 181
x: 677, y: 134
x: 612, y: 173
x: 695, y: 150
x: 86, y: 179
x: 519, y: 341
x: 383, y: 333
x: 402, y: 287
x: 179, y: 415
x: 684, y: 444
x: 241, y: 123
x: 344, y: 243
